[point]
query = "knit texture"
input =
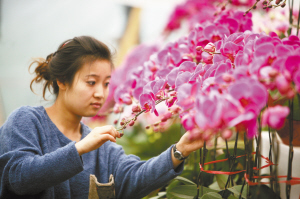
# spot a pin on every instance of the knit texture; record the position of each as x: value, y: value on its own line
x: 38, y: 161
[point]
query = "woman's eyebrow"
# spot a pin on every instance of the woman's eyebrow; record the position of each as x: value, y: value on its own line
x: 92, y: 75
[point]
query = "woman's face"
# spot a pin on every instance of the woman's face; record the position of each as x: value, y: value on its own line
x: 89, y: 89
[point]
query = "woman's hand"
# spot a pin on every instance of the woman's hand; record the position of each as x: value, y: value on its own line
x: 96, y: 138
x: 186, y: 146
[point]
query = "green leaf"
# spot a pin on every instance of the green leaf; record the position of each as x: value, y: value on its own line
x: 236, y: 190
x: 160, y: 194
x: 184, y: 180
x: 185, y: 191
x: 262, y: 191
x: 214, y: 186
x: 221, y: 179
x: 190, y: 174
x: 211, y: 195
x: 232, y: 197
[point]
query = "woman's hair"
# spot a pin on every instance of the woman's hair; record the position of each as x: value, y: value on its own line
x: 67, y: 60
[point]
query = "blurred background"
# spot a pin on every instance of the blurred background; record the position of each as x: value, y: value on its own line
x: 35, y: 28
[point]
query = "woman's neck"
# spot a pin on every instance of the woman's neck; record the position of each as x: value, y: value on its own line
x: 67, y: 122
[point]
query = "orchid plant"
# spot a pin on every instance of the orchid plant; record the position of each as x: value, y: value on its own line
x: 218, y: 79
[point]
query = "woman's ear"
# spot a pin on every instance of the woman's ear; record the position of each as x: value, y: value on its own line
x: 62, y: 86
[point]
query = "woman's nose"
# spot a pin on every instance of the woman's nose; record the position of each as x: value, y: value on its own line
x: 99, y: 92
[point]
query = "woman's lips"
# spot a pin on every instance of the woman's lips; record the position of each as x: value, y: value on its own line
x: 96, y: 105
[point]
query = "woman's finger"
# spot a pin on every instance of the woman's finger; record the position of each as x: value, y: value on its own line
x: 107, y: 137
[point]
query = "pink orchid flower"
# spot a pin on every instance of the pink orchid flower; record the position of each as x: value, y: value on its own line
x: 148, y: 103
x: 274, y: 117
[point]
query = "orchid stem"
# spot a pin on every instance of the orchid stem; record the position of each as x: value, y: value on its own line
x: 291, y: 4
x: 291, y: 150
x: 139, y: 113
x: 298, y: 21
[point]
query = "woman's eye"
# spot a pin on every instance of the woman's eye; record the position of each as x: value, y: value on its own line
x: 91, y: 83
x: 106, y: 84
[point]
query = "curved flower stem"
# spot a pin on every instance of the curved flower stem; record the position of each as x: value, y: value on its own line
x: 298, y: 21
x: 252, y: 7
x: 276, y: 153
x: 249, y: 162
x: 139, y: 113
x: 270, y: 157
x: 231, y: 160
x: 215, y: 153
x: 291, y: 4
x: 291, y: 150
x: 199, y: 180
x: 211, y: 53
x: 257, y: 156
x: 230, y: 165
x: 240, y: 197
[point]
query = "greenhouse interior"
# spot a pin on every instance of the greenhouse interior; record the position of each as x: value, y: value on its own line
x: 150, y: 99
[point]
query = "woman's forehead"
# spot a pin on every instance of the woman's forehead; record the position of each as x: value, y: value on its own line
x: 98, y: 68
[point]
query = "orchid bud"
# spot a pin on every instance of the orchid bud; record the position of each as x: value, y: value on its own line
x: 226, y: 134
x: 116, y: 122
x: 123, y: 120
x: 175, y: 109
x: 283, y: 5
x: 282, y: 84
x: 156, y: 129
x: 278, y: 2
x: 223, y: 8
x: 158, y: 96
x: 147, y: 127
x: 198, y: 48
x: 206, y: 135
x: 118, y: 108
x: 166, y: 116
x: 210, y: 47
x: 131, y: 123
x: 265, y: 3
x: 291, y: 94
x: 136, y: 108
x: 156, y: 124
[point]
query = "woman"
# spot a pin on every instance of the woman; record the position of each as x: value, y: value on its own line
x: 49, y: 153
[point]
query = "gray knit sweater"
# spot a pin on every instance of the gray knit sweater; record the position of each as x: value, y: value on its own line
x: 38, y: 161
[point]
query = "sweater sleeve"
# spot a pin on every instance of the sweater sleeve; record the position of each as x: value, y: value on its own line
x: 24, y: 167
x: 136, y: 179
